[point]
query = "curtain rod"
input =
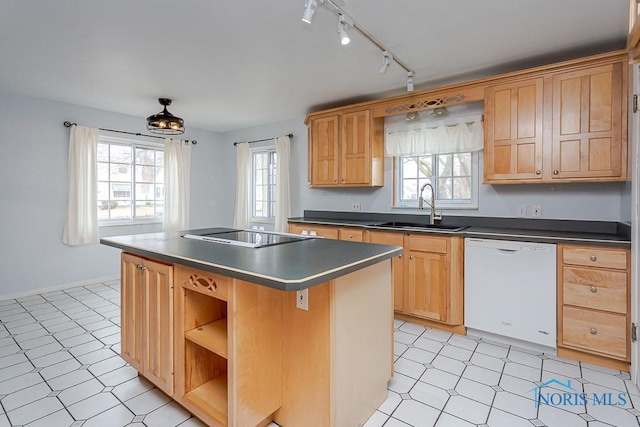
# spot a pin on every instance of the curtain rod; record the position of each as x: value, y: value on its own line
x: 290, y: 135
x: 69, y: 124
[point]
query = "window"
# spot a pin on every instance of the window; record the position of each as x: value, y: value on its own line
x: 130, y: 181
x: 454, y: 178
x: 263, y: 188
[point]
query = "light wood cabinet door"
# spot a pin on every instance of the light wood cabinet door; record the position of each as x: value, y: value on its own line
x: 146, y: 316
x: 427, y: 285
x: 324, y: 159
x: 397, y: 264
x: 355, y: 166
x: 158, y: 325
x: 587, y: 124
x: 514, y: 131
x: 132, y: 306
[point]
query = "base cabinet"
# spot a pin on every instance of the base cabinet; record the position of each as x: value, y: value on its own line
x: 228, y: 348
x: 239, y: 354
x: 147, y: 319
x: 428, y: 277
x: 593, y: 304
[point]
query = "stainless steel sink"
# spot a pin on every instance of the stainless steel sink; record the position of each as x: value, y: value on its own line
x: 401, y: 224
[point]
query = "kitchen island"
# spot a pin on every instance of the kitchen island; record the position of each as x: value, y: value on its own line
x: 217, y: 328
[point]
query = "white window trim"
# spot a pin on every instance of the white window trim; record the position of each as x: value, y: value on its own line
x: 253, y: 219
x: 133, y: 142
x: 440, y: 203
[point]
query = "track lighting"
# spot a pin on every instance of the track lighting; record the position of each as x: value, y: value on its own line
x: 343, y: 26
x: 410, y: 81
x: 310, y: 7
x: 386, y: 61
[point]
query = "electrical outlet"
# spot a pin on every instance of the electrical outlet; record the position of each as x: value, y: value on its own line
x: 302, y: 299
x: 522, y: 211
x: 536, y: 211
x: 355, y: 206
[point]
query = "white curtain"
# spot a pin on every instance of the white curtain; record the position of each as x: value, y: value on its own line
x: 243, y: 182
x: 466, y: 135
x: 177, y: 174
x: 81, y: 225
x: 283, y: 198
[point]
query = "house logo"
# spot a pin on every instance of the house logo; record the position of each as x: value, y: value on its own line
x: 564, y: 394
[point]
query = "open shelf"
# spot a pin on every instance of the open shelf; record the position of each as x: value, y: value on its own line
x: 212, y: 336
x: 212, y: 398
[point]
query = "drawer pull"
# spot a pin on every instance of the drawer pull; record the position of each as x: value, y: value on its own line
x: 593, y: 258
x: 555, y: 172
x: 351, y: 236
x: 594, y: 331
x: 538, y: 172
x: 594, y: 289
x: 410, y: 256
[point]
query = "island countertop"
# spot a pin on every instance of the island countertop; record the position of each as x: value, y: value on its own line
x: 287, y: 267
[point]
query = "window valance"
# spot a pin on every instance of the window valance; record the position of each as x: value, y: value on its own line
x: 462, y: 135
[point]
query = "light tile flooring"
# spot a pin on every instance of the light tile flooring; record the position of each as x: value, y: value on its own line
x: 59, y: 366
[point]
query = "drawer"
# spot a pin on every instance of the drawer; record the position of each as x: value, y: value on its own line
x: 205, y: 282
x: 593, y: 331
x: 325, y: 231
x: 594, y: 288
x: 353, y: 234
x: 595, y: 257
x: 428, y: 244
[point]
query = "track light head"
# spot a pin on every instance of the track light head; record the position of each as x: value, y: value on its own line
x: 310, y: 7
x: 386, y: 61
x: 343, y: 30
x: 410, y: 81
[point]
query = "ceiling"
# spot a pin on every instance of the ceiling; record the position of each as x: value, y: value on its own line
x: 234, y: 64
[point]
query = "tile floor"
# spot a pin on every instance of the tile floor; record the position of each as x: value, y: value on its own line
x: 59, y: 366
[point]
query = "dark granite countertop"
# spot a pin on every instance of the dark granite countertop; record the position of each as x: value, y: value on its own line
x: 288, y: 267
x: 530, y: 230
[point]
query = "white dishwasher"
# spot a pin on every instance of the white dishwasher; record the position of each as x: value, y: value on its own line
x: 510, y: 289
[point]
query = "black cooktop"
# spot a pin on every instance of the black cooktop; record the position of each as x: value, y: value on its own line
x: 247, y: 238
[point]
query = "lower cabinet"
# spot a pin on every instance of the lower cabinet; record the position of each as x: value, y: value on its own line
x: 428, y: 278
x: 147, y: 321
x: 593, y: 303
x: 325, y: 231
x: 228, y: 348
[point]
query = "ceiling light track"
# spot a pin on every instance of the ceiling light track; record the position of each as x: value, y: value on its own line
x: 346, y: 21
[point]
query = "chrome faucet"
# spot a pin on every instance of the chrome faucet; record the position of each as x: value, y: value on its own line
x: 432, y: 216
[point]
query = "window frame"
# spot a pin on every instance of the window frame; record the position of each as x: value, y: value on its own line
x: 134, y: 144
x: 271, y: 152
x: 448, y: 204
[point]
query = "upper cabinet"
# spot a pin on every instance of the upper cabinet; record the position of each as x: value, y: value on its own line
x: 633, y: 39
x: 346, y: 149
x: 587, y: 124
x: 513, y: 131
x: 562, y: 126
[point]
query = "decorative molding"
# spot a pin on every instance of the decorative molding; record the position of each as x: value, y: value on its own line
x: 429, y: 103
x: 201, y: 283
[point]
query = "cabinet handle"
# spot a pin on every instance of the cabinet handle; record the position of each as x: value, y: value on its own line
x: 410, y: 256
x: 141, y: 267
x: 593, y: 258
x: 342, y: 179
x: 594, y: 289
x: 335, y: 180
x: 556, y: 172
x: 594, y: 331
x: 400, y: 256
x: 351, y: 236
x: 538, y: 172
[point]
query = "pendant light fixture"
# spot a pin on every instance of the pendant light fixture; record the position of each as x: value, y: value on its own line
x: 164, y: 122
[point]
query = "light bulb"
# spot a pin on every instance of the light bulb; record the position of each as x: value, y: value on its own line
x: 342, y: 31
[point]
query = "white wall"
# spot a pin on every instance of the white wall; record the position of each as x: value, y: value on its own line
x: 33, y: 182
x: 589, y: 201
